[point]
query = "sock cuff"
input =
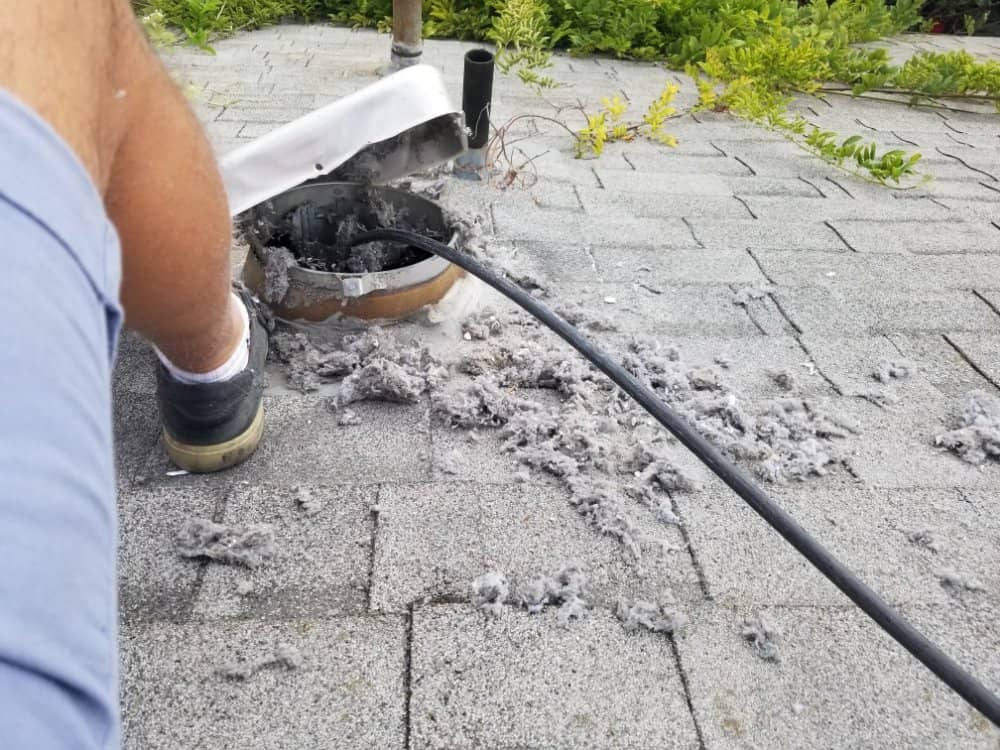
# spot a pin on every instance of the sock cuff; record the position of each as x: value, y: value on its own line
x: 229, y: 369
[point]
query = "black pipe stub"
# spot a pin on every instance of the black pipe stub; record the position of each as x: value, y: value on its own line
x: 477, y: 95
x: 477, y: 101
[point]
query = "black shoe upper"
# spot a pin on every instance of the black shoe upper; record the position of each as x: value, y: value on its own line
x: 212, y: 413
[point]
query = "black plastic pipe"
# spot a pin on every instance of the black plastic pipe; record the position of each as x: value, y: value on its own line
x: 477, y: 95
x: 925, y: 651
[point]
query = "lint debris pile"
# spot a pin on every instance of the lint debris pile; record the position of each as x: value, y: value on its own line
x: 560, y: 417
x: 615, y: 461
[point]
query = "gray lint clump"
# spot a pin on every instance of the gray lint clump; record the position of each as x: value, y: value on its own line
x: 566, y: 590
x: 391, y: 372
x: 784, y: 379
x: 657, y: 618
x: 277, y: 261
x: 926, y: 538
x: 531, y: 284
x: 489, y: 592
x: 976, y: 436
x: 236, y: 545
x: 888, y: 370
x: 468, y: 232
x: 348, y: 418
x: 480, y: 403
x: 283, y: 655
x: 747, y: 294
x: 383, y: 379
x: 309, y: 364
x: 481, y: 326
x: 532, y: 366
x: 586, y: 319
x: 370, y: 366
x: 764, y: 636
x: 308, y: 501
x: 244, y: 588
x: 956, y: 583
x: 602, y: 505
x: 450, y: 462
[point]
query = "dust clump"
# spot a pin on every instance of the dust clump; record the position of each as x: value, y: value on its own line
x: 481, y: 326
x: 764, y: 636
x: 784, y: 379
x: 531, y: 284
x: 955, y: 583
x: 370, y: 366
x: 348, y: 418
x: 468, y: 231
x: 655, y: 479
x: 489, y: 592
x: 480, y: 403
x: 704, y: 379
x: 277, y: 261
x: 657, y: 618
x: 400, y: 373
x: 236, y: 545
x: 888, y: 370
x: 747, y: 294
x: 244, y: 588
x: 310, y: 364
x: 926, y: 538
x: 450, y: 462
x: 567, y: 589
x: 534, y: 595
x: 976, y: 437
x: 308, y: 501
x: 381, y: 380
x: 581, y: 318
x: 602, y: 506
x: 283, y: 655
x: 434, y: 190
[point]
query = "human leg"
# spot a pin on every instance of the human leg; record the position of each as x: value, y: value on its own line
x: 58, y: 301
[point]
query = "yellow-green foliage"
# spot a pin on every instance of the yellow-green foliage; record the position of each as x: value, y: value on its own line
x: 748, y: 57
x: 890, y: 165
x: 610, y: 124
x: 154, y: 24
x: 520, y: 32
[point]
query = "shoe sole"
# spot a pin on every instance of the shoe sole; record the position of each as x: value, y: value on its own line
x: 205, y: 459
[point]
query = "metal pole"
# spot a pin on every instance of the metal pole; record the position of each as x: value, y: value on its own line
x: 407, y: 28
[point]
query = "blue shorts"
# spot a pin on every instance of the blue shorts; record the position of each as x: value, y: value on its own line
x: 59, y: 279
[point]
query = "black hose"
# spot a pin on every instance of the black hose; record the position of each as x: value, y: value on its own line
x: 932, y: 657
x: 477, y: 95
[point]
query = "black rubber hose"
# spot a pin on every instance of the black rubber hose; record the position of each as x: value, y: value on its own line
x: 477, y: 95
x: 932, y: 657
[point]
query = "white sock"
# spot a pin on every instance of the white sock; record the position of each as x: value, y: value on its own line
x: 232, y: 367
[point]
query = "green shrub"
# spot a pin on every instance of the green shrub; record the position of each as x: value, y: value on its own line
x: 963, y: 16
x: 203, y: 20
x: 748, y: 57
